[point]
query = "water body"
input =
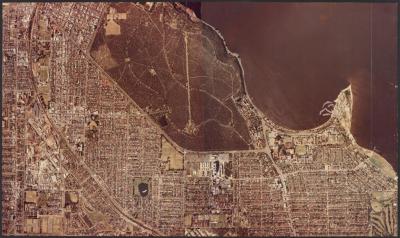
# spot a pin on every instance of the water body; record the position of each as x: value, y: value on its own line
x: 302, y: 55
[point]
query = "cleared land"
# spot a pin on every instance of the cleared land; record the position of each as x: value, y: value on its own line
x: 178, y: 71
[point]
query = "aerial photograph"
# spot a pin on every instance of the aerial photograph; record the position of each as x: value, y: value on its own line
x: 225, y: 119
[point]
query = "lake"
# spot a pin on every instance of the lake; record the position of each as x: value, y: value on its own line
x: 298, y: 56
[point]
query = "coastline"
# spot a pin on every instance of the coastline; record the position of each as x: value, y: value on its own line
x: 344, y: 118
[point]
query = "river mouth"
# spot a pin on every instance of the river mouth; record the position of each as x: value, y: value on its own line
x: 303, y: 55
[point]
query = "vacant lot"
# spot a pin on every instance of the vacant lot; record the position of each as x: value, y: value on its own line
x: 179, y: 72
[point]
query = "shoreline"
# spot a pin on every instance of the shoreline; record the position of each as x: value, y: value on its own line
x: 348, y: 121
